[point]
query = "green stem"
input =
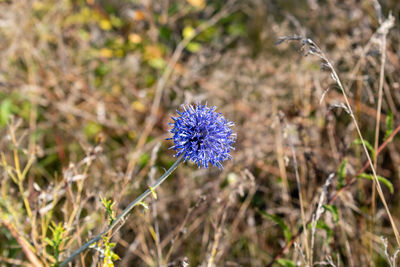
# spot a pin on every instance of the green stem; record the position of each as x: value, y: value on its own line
x: 123, y: 213
x: 25, y: 199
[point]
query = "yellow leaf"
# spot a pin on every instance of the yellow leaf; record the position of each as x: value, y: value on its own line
x: 137, y: 105
x: 188, y: 32
x: 105, y: 24
x: 105, y: 52
x: 132, y: 135
x: 135, y: 38
x: 197, y: 3
x: 119, y: 53
x: 116, y: 90
x: 153, y: 193
x: 153, y: 233
x: 37, y: 6
x: 151, y: 52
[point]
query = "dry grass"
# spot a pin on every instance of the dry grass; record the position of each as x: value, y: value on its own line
x: 87, y: 90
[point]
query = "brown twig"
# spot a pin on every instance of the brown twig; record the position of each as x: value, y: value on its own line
x: 23, y: 243
x: 13, y: 261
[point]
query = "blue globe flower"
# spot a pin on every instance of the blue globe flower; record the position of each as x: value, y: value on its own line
x: 202, y: 135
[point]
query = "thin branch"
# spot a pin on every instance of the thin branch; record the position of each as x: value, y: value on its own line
x: 24, y: 244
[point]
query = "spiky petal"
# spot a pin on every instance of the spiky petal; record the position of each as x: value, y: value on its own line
x: 202, y: 135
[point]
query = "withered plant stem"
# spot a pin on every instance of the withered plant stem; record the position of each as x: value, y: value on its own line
x: 120, y: 218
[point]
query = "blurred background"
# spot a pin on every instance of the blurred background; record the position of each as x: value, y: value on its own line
x: 87, y: 89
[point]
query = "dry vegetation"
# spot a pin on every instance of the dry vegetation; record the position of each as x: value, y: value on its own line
x: 87, y: 90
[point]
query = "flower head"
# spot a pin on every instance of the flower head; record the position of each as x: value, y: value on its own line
x: 202, y: 135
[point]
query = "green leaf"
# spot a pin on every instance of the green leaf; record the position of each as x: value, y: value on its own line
x: 173, y: 9
x: 165, y: 33
x: 49, y: 241
x: 193, y: 47
x: 237, y: 29
x: 58, y: 237
x: 208, y: 35
x: 116, y: 22
x: 144, y: 159
x: 108, y: 205
x: 109, y: 255
x: 342, y: 171
x: 157, y: 63
x: 332, y: 209
x: 286, y: 263
x: 368, y: 145
x: 323, y: 226
x: 5, y: 111
x: 280, y: 223
x: 381, y: 179
x: 91, y: 129
x: 389, y: 125
x: 102, y: 70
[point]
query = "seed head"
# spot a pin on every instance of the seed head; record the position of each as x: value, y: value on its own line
x: 202, y: 135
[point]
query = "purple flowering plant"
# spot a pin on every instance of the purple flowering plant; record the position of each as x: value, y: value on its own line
x: 200, y: 135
